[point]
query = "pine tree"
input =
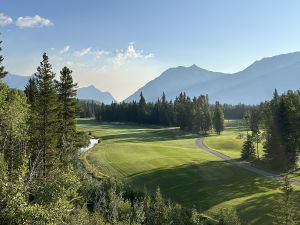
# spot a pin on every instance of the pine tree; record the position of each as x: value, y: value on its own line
x: 47, y: 115
x: 281, y: 128
x: 247, y: 121
x: 2, y: 69
x: 163, y: 110
x: 218, y: 118
x: 248, y: 150
x: 67, y: 114
x: 31, y: 92
x: 142, y: 109
x: 202, y: 115
x: 275, y: 94
x: 254, y: 121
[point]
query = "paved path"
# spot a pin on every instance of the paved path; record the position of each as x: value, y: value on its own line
x: 244, y: 165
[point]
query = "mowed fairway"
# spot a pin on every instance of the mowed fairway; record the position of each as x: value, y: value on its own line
x: 151, y: 156
x: 229, y: 143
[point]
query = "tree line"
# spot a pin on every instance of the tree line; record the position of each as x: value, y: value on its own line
x: 195, y: 114
x: 237, y: 111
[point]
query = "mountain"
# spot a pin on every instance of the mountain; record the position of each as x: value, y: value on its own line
x: 86, y: 93
x: 92, y: 93
x: 254, y: 84
x: 16, y: 81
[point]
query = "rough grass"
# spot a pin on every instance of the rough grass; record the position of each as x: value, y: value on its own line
x: 148, y: 156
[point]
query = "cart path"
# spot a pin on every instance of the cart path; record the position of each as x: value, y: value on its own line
x: 243, y: 165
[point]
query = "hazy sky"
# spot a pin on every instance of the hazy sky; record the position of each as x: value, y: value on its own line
x: 120, y: 45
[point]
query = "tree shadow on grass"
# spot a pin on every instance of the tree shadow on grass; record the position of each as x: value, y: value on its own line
x: 266, y: 205
x: 152, y: 135
x: 209, y: 184
x: 135, y: 133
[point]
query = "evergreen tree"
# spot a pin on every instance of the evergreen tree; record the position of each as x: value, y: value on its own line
x: 2, y: 69
x: 202, y: 116
x: 281, y: 121
x: 218, y: 118
x: 275, y: 94
x: 254, y: 121
x: 163, y: 110
x: 184, y: 112
x: 247, y: 121
x: 67, y: 113
x: 248, y: 150
x: 142, y: 109
x: 47, y: 116
x: 31, y: 91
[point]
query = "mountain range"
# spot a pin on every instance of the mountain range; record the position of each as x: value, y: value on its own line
x: 84, y: 93
x: 252, y: 85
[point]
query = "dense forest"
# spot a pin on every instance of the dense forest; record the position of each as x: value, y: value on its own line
x: 189, y: 114
x: 40, y: 181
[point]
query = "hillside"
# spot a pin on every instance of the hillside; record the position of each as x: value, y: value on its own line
x: 92, y: 93
x: 254, y: 84
x: 86, y: 93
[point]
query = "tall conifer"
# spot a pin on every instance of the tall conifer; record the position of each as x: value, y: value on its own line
x: 218, y: 118
x: 67, y: 114
x: 47, y: 114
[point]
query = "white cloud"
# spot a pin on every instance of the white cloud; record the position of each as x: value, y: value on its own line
x: 82, y: 52
x: 89, y: 51
x: 130, y: 53
x: 99, y: 53
x: 65, y: 49
x: 36, y: 21
x: 5, y: 20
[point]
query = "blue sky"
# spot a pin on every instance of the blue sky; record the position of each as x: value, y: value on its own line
x: 120, y: 45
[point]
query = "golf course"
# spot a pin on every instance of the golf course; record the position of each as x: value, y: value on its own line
x: 148, y: 156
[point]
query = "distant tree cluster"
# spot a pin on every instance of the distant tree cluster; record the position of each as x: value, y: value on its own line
x: 87, y: 108
x: 189, y: 114
x: 237, y: 111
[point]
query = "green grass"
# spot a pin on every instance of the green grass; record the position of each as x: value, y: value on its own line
x: 151, y: 156
x: 229, y: 142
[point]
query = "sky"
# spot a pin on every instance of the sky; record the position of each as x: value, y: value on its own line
x: 118, y: 46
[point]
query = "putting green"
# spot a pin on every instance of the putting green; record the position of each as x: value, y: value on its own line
x: 148, y: 156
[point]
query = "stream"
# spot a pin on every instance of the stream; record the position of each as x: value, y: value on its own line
x: 93, y: 142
